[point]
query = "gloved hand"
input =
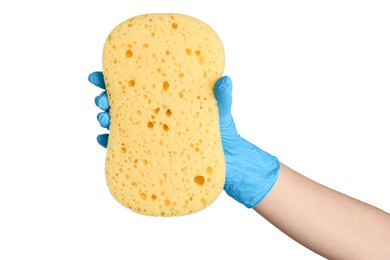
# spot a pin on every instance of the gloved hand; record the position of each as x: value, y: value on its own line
x: 250, y: 172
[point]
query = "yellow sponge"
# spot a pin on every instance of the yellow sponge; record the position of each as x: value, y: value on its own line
x: 164, y: 155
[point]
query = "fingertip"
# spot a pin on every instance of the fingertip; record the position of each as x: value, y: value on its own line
x: 223, y: 86
x: 102, y: 140
x: 104, y: 119
x: 97, y: 100
x: 102, y: 101
x: 93, y: 76
x: 223, y: 80
x: 97, y: 79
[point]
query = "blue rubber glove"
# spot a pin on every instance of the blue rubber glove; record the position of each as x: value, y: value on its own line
x: 97, y: 79
x: 250, y: 172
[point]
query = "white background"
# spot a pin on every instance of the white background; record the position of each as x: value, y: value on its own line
x: 311, y: 82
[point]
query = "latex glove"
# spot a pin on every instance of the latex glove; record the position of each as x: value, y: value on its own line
x: 250, y: 172
x: 101, y: 101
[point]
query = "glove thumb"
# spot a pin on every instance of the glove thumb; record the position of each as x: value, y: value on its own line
x: 223, y: 94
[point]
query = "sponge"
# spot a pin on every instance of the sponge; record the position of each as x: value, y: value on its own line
x: 164, y: 154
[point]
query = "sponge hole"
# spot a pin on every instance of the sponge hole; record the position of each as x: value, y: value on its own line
x: 199, y: 180
x: 131, y: 83
x: 129, y: 54
x: 165, y: 85
x: 143, y: 195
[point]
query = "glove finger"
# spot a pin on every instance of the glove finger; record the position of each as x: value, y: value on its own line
x: 102, y: 140
x: 97, y: 79
x: 223, y: 94
x: 102, y: 101
x: 104, y: 119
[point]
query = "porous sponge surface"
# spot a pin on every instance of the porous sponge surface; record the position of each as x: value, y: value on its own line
x: 164, y: 155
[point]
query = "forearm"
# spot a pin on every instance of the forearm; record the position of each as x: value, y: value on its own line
x: 328, y: 222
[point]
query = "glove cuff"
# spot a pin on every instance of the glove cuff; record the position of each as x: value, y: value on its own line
x: 250, y: 179
x: 265, y: 189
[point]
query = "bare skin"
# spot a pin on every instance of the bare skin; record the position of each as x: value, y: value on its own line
x: 325, y: 221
